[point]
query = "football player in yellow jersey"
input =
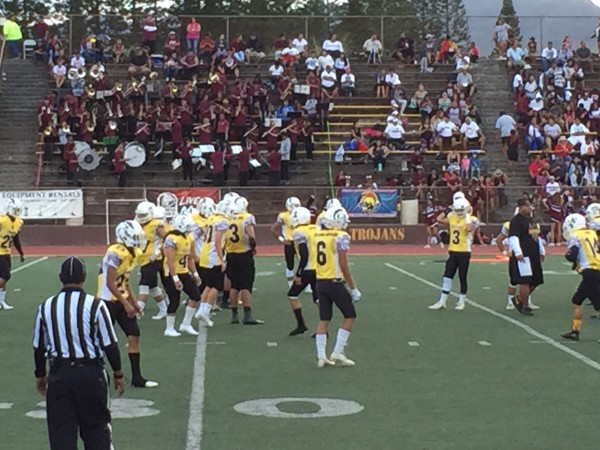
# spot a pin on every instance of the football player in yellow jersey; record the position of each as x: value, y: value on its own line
x: 240, y: 247
x: 206, y: 208
x: 330, y: 247
x: 114, y: 288
x: 461, y: 226
x: 305, y: 275
x: 211, y: 261
x: 10, y: 227
x: 151, y: 258
x: 181, y: 274
x: 282, y: 229
x: 592, y: 216
x: 584, y: 252
x: 330, y: 203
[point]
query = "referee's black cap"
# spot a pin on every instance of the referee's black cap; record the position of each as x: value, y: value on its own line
x: 72, y: 270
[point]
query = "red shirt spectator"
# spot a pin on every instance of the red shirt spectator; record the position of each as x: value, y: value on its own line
x: 217, y: 158
x: 244, y: 160
x: 71, y: 159
x: 281, y: 42
x: 222, y: 125
x: 172, y: 43
x: 184, y: 151
x: 149, y: 29
x: 205, y: 133
x: 176, y: 134
x: 119, y: 160
x: 274, y: 160
x: 40, y: 30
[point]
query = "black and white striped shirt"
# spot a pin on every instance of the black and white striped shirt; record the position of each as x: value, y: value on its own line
x: 72, y: 326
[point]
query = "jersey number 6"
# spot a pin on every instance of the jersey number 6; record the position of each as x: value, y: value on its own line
x: 321, y: 255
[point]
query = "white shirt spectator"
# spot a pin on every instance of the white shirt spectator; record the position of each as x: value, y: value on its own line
x: 502, y: 31
x: 325, y: 60
x: 276, y: 71
x: 341, y: 64
x: 470, y: 130
x: 552, y: 187
x: 330, y: 46
x: 328, y: 78
x: 347, y: 79
x: 60, y: 69
x: 312, y: 63
x: 446, y: 128
x: 394, y: 130
x: 462, y: 62
x: 372, y: 45
x: 464, y: 79
x: 392, y: 78
x: 590, y: 175
x: 574, y: 140
x: 549, y: 53
x: 530, y: 88
x: 293, y: 51
x: 300, y: 44
x: 552, y: 131
x: 285, y: 148
x: 586, y: 103
x: 533, y: 132
x: 77, y: 62
x: 517, y: 81
x: 537, y: 104
x: 310, y: 106
x: 505, y: 124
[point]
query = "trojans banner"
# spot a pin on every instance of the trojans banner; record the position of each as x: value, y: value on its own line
x: 370, y: 203
x: 180, y: 200
x: 53, y: 204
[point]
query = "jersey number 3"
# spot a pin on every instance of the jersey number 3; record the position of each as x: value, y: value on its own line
x: 235, y: 237
x: 456, y: 237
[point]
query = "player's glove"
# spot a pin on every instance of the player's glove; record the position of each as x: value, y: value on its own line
x: 281, y: 239
x: 355, y: 294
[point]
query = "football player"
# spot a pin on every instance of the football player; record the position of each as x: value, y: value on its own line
x: 305, y: 275
x: 282, y: 229
x: 181, y: 274
x: 584, y: 252
x: 115, y: 289
x: 240, y: 247
x: 206, y: 208
x: 151, y: 261
x: 211, y: 260
x: 330, y: 203
x: 461, y: 226
x: 223, y: 301
x: 10, y: 227
x: 592, y: 216
x: 331, y: 247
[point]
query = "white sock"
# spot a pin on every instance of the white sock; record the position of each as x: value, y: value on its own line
x: 510, y: 299
x: 321, y: 340
x: 141, y: 304
x: 189, y: 315
x: 170, y: 322
x: 205, y: 309
x: 443, y: 298
x: 529, y: 300
x: 462, y: 298
x: 340, y: 342
x: 162, y: 306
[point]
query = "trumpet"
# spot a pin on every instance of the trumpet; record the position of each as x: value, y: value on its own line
x: 95, y: 71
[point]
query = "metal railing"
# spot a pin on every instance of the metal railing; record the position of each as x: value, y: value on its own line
x: 2, y: 53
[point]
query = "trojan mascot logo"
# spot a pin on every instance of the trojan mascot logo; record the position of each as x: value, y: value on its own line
x: 369, y: 202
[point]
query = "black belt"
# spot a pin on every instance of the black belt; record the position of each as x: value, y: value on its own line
x: 76, y: 362
x: 332, y: 280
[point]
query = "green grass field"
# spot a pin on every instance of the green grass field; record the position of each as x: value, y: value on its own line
x: 483, y: 378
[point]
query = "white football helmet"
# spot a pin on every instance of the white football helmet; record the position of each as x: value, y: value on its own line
x: 183, y: 223
x: 14, y: 207
x: 592, y: 212
x: 206, y: 207
x: 573, y: 222
x: 332, y: 203
x: 191, y: 211
x: 131, y: 234
x: 231, y: 196
x: 160, y: 213
x: 336, y: 218
x: 461, y: 206
x: 291, y: 203
x: 144, y: 212
x: 300, y: 216
x: 457, y: 195
x: 226, y: 209
x: 240, y: 204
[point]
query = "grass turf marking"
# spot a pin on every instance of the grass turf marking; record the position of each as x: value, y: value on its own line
x: 194, y: 430
x: 29, y: 264
x: 547, y: 339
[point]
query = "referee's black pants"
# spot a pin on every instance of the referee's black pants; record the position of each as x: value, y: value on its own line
x: 77, y: 402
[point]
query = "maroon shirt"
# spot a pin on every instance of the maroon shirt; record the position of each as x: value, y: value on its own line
x: 204, y: 136
x: 185, y: 151
x: 244, y: 160
x: 222, y: 126
x: 71, y: 159
x: 148, y: 35
x: 119, y: 160
x: 176, y: 135
x: 274, y: 159
x: 217, y: 160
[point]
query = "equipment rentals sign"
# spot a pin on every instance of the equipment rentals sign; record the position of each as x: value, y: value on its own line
x: 58, y: 204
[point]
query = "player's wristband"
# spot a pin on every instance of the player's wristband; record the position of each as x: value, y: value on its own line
x: 175, y: 278
x: 196, y: 275
x: 281, y: 239
x: 118, y: 376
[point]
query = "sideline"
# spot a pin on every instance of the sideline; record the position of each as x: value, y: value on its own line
x: 546, y: 339
x: 194, y: 429
x: 29, y: 264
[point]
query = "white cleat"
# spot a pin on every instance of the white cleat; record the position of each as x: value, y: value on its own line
x: 172, y: 332
x: 510, y: 306
x: 188, y: 329
x: 437, y: 305
x: 161, y: 315
x: 459, y: 306
x: 205, y: 320
x: 324, y: 363
x: 342, y: 360
x: 532, y: 306
x: 6, y: 306
x: 427, y: 246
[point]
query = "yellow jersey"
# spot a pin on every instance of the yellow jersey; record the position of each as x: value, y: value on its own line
x: 9, y: 228
x: 505, y: 228
x: 320, y: 218
x: 460, y: 239
x: 305, y: 234
x: 124, y: 261
x: 588, y: 256
x: 594, y: 224
x: 236, y: 238
x: 198, y: 233
x: 284, y: 218
x: 152, y: 251
x: 326, y: 246
x: 182, y: 244
x: 208, y: 257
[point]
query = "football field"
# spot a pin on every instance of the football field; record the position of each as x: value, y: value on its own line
x: 482, y: 378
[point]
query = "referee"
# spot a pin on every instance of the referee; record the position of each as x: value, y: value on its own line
x: 73, y: 331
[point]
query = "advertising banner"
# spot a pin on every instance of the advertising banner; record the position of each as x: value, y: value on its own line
x: 370, y: 203
x: 180, y: 200
x: 55, y: 204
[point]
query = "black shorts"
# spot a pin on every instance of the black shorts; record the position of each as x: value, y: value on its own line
x: 129, y: 325
x: 5, y: 266
x: 446, y: 142
x: 473, y: 143
x: 212, y: 278
x: 241, y: 270
x: 334, y: 292
x: 189, y: 287
x: 457, y: 261
x: 308, y: 278
x: 289, y: 250
x: 516, y: 279
x: 150, y: 273
x: 589, y: 288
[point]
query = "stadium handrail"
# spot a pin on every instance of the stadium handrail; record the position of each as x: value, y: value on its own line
x: 2, y: 52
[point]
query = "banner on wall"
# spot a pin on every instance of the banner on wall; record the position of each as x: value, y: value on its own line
x: 55, y: 204
x: 180, y: 200
x: 370, y: 203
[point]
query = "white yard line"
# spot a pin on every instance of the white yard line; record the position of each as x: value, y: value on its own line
x: 194, y: 430
x: 29, y: 264
x: 542, y: 337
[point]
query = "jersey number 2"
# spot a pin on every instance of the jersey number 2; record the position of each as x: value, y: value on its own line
x: 321, y: 255
x: 6, y: 241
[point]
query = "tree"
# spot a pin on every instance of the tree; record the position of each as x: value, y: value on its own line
x: 508, y: 13
x: 442, y: 17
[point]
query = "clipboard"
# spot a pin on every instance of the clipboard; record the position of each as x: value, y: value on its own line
x: 525, y: 267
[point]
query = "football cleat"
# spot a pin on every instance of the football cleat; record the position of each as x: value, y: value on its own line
x: 324, y: 363
x: 188, y: 329
x: 427, y: 246
x: 572, y: 335
x: 298, y: 330
x: 526, y: 311
x: 172, y: 332
x: 510, y: 306
x: 143, y: 383
x: 6, y: 306
x: 342, y: 360
x: 437, y: 305
x: 459, y: 306
x: 161, y: 315
x: 252, y: 321
x: 205, y: 320
x: 532, y: 306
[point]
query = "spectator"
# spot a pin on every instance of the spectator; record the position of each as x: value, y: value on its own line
x: 564, y: 54
x: 448, y: 50
x: 276, y: 72
x: 348, y: 83
x: 505, y: 124
x: 512, y: 152
x: 472, y: 136
x: 328, y: 81
x: 254, y: 50
x: 221, y: 50
x: 281, y: 43
x: 332, y: 46
x: 501, y: 35
x: 312, y: 63
x: 418, y: 182
x: 12, y: 35
x: 190, y: 64
x: 372, y: 49
x: 325, y: 60
x: 184, y: 151
x: 41, y: 30
x: 499, y: 180
x: 445, y: 130
x: 381, y: 88
x: 475, y: 165
x: 139, y: 63
x: 392, y: 80
x: 577, y: 134
x: 465, y: 166
x: 552, y: 132
x: 378, y: 152
x: 549, y: 56
x: 118, y: 51
x: 464, y: 82
x: 300, y: 44
x: 340, y: 65
x: 532, y: 47
x: 583, y: 53
x: 206, y: 48
x: 394, y: 133
x: 172, y: 44
x: 405, y: 49
x: 290, y: 55
x: 192, y: 35
x: 171, y: 68
x: 59, y: 73
x: 516, y: 56
x: 274, y: 160
x: 77, y: 61
x: 474, y: 53
x: 534, y: 138
x: 149, y: 29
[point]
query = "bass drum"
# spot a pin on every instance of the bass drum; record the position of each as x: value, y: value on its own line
x: 135, y: 154
x: 88, y: 158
